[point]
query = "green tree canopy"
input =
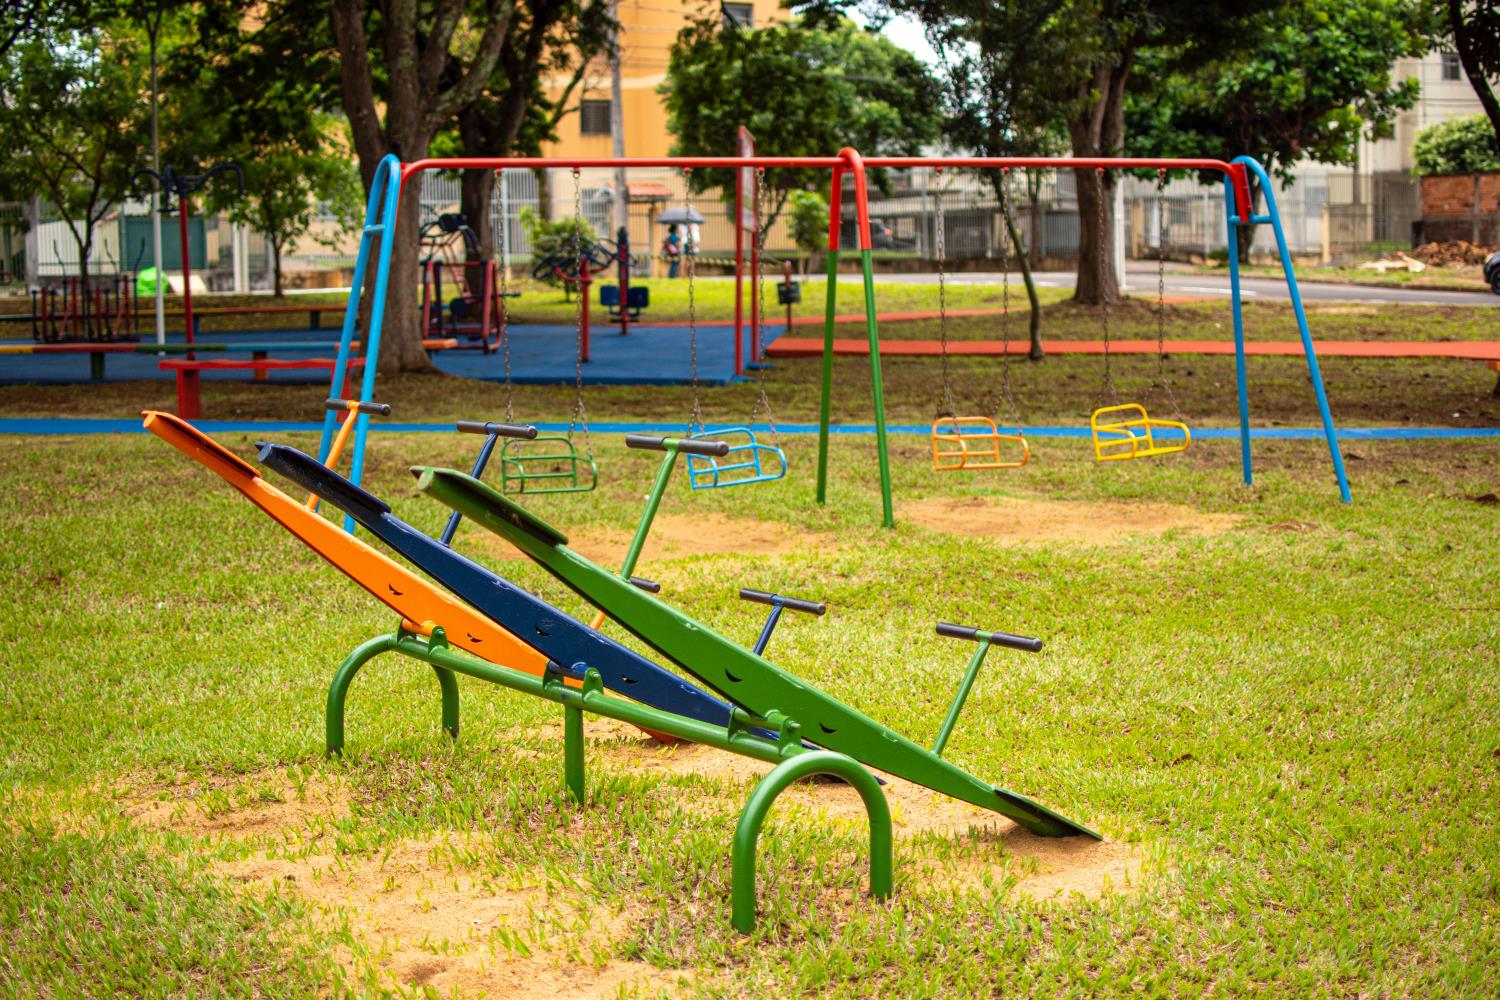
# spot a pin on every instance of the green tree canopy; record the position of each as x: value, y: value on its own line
x: 1456, y: 146
x: 1302, y: 82
x: 1472, y: 27
x: 801, y: 91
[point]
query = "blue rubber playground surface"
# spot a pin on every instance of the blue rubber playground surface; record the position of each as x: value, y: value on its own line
x: 132, y: 425
x: 540, y: 354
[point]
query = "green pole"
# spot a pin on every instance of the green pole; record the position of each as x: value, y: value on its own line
x: 747, y: 832
x: 888, y: 517
x: 963, y: 693
x: 830, y: 314
x: 573, y: 751
x: 653, y: 502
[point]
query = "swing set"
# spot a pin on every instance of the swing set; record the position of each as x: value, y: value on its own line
x: 1121, y: 429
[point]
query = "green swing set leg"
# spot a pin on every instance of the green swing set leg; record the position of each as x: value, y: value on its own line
x: 781, y: 777
x: 338, y: 691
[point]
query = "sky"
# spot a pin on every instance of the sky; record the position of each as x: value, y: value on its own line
x: 907, y: 33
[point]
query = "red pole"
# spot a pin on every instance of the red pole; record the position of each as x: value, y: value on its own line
x: 739, y: 274
x: 187, y: 269
x: 755, y: 275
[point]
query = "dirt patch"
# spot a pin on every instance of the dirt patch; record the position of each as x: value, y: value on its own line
x: 424, y: 920
x: 962, y: 843
x: 1021, y: 521
x: 270, y: 802
x: 676, y: 536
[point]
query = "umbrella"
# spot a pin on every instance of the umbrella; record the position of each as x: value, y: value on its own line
x: 680, y: 215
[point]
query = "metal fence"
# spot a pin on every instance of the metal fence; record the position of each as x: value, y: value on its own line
x: 1327, y: 215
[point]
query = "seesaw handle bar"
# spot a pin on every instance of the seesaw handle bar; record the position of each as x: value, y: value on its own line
x: 374, y: 409
x: 656, y: 442
x: 1024, y: 643
x: 779, y: 600
x: 489, y: 428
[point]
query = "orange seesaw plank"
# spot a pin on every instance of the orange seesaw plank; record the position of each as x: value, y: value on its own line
x: 405, y: 593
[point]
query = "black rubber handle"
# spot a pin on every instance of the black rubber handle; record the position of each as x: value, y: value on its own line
x: 655, y: 442
x: 523, y: 431
x: 795, y: 603
x: 1022, y: 642
x: 377, y: 409
x: 649, y: 586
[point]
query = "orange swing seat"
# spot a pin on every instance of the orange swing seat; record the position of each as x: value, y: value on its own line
x: 975, y: 443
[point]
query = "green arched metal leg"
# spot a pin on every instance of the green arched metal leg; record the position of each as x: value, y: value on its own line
x: 747, y: 833
x: 366, y: 651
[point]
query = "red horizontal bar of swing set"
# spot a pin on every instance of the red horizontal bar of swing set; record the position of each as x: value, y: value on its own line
x: 851, y: 161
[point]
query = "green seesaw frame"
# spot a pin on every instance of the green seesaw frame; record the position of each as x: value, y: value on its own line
x: 775, y: 737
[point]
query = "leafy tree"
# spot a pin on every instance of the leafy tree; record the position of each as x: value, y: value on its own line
x: 808, y: 219
x: 1456, y: 146
x: 512, y: 115
x: 1077, y: 55
x: 72, y: 118
x: 802, y: 91
x: 1473, y: 27
x: 287, y: 186
x: 1304, y: 81
x: 992, y: 107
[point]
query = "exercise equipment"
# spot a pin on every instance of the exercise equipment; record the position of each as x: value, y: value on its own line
x: 450, y: 246
x: 185, y: 185
x: 1124, y: 431
x: 624, y: 301
x: 551, y: 463
x: 748, y: 459
x: 973, y: 442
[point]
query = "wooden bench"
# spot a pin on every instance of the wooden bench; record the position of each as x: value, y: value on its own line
x: 189, y: 405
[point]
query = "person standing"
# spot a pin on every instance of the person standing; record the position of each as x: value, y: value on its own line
x: 671, y: 246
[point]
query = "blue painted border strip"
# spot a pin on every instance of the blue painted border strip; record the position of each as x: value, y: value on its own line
x: 76, y: 425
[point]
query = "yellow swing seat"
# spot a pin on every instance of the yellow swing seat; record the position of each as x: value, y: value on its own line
x: 1127, y: 431
x: 975, y: 443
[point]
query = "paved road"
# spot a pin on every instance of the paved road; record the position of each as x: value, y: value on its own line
x: 1271, y: 289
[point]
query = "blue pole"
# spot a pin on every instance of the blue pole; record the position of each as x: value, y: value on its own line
x: 1273, y: 217
x: 374, y: 207
x: 1232, y: 241
x: 377, y: 314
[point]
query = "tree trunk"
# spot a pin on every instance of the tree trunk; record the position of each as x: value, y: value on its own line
x: 401, y: 343
x: 476, y: 190
x: 1097, y: 128
x: 1468, y: 57
x: 1097, y: 282
x: 276, y: 285
x: 1035, y: 320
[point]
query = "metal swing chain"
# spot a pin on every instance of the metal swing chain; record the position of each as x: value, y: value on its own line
x: 762, y: 228
x: 1005, y: 248
x: 580, y: 415
x: 1161, y: 295
x: 940, y: 239
x: 1112, y: 397
x: 504, y: 308
x: 687, y: 201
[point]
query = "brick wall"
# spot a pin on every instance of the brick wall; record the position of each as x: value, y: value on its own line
x: 1453, y: 195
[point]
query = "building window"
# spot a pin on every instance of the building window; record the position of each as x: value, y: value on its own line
x: 738, y: 15
x: 1451, y: 67
x: 593, y: 117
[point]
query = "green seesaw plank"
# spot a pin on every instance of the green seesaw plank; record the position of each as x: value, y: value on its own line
x: 726, y: 666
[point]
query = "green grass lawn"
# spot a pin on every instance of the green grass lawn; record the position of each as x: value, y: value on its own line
x: 1282, y: 713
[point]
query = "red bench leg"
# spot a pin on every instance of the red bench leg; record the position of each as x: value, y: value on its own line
x: 188, y: 406
x: 261, y: 375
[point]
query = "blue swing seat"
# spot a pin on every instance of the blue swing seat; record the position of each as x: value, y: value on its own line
x: 749, y: 461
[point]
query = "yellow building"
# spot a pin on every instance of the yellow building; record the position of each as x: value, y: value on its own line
x: 647, y: 30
